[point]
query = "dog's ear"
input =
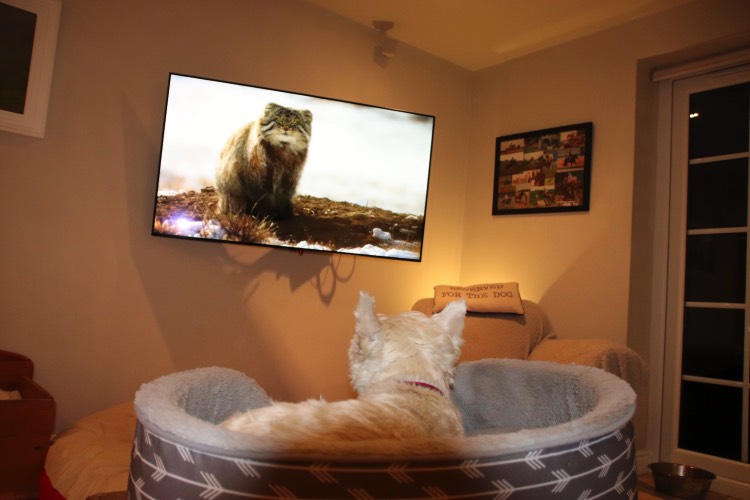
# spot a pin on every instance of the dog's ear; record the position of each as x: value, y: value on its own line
x: 367, y: 322
x: 452, y: 317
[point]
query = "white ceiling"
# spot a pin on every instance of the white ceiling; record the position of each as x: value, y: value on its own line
x: 475, y: 34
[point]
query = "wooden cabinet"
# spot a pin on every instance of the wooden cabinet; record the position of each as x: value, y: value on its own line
x: 26, y: 427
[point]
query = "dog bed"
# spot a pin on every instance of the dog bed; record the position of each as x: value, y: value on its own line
x: 533, y: 430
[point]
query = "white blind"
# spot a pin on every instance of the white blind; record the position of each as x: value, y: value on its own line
x: 717, y: 63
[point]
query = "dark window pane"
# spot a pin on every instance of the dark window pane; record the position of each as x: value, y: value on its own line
x: 713, y: 343
x: 717, y: 194
x: 17, y: 27
x: 711, y: 419
x: 715, y: 268
x: 721, y: 124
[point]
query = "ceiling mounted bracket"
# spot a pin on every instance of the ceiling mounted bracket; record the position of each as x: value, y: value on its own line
x: 386, y: 46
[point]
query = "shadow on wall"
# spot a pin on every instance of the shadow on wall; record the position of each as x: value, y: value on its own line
x: 324, y: 270
x: 565, y: 299
x: 204, y: 296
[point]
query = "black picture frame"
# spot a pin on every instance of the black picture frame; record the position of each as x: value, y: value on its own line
x: 541, y: 171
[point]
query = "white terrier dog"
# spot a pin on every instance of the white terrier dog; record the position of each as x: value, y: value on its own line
x: 402, y: 369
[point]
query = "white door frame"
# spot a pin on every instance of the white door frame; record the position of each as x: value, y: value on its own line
x: 670, y: 230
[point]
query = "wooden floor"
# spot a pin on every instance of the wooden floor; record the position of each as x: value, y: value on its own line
x: 646, y: 491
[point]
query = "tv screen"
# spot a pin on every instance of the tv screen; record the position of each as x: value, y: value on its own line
x: 251, y: 165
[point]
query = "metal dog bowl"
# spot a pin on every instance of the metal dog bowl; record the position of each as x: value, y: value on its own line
x: 681, y: 481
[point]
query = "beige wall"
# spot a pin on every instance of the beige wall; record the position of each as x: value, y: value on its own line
x: 577, y: 265
x: 101, y: 306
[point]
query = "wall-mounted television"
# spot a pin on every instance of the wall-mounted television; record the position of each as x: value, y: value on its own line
x: 251, y: 165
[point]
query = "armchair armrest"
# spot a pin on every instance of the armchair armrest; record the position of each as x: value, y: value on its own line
x: 605, y: 354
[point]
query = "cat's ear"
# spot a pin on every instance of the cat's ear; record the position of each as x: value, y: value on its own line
x: 271, y: 107
x: 307, y: 115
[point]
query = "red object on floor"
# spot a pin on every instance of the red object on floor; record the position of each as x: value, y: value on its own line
x: 46, y: 490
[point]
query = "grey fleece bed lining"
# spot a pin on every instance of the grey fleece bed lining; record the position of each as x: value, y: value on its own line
x: 508, y: 405
x: 533, y: 429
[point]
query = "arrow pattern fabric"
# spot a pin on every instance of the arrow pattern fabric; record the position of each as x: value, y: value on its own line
x: 597, y: 468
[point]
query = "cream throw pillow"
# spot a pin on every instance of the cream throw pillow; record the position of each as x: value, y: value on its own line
x: 485, y: 298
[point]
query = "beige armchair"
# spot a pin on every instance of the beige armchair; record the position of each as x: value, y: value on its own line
x: 529, y: 336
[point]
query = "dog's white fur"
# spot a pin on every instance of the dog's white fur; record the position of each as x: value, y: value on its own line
x: 402, y: 369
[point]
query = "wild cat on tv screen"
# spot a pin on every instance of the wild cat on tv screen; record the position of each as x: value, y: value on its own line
x: 252, y: 165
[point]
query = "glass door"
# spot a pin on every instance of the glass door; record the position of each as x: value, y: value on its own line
x: 707, y: 367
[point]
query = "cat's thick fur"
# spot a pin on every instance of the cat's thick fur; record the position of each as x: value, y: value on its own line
x: 402, y: 369
x: 261, y: 163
